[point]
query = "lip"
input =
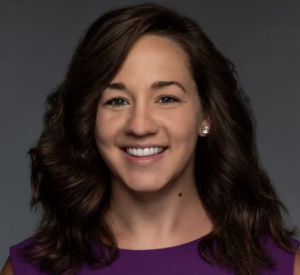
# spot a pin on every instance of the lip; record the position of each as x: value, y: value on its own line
x: 145, y: 161
x: 142, y: 146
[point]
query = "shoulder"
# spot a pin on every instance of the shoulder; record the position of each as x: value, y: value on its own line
x: 14, y: 249
x: 286, y: 262
x: 13, y: 257
x: 297, y: 263
x: 15, y: 261
x: 7, y: 268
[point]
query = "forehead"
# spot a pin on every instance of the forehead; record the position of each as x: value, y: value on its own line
x: 155, y: 55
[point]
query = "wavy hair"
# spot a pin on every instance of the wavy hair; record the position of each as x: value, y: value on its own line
x: 70, y: 180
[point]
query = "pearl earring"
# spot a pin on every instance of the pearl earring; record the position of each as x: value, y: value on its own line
x: 205, y: 129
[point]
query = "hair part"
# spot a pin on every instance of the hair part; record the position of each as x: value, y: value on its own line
x: 70, y: 181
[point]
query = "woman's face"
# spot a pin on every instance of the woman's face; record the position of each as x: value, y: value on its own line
x: 150, y: 111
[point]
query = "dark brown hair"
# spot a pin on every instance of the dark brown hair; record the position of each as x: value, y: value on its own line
x: 71, y: 181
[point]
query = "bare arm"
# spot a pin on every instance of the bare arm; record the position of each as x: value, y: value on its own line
x: 297, y: 263
x: 7, y: 268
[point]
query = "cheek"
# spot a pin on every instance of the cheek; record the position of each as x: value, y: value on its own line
x: 103, y: 130
x: 184, y: 125
x: 185, y: 132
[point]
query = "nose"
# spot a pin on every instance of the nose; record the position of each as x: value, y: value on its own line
x: 141, y: 122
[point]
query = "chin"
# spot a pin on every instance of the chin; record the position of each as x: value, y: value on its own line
x: 148, y: 189
x: 145, y: 185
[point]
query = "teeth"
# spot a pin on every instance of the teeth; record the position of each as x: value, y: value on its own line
x: 144, y: 152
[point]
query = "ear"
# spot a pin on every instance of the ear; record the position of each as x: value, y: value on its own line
x: 206, y: 121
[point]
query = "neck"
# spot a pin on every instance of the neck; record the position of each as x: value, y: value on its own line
x: 164, y: 218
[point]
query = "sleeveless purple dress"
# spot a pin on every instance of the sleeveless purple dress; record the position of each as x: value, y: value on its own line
x: 177, y: 260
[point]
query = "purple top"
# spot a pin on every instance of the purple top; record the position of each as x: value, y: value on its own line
x: 177, y: 260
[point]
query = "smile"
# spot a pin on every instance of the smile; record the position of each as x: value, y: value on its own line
x: 144, y: 160
x: 143, y: 152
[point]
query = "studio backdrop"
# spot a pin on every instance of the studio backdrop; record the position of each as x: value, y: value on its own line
x: 37, y: 39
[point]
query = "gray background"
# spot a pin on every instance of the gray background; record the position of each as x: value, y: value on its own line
x: 37, y: 39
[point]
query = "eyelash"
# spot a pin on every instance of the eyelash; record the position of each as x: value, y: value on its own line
x: 120, y: 98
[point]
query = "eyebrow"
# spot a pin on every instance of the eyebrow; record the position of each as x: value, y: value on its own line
x: 154, y: 86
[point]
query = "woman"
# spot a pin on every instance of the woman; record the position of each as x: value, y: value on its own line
x: 148, y: 163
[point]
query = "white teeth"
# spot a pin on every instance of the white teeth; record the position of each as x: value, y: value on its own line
x: 144, y: 152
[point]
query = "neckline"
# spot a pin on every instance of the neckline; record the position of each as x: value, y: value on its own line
x: 164, y: 248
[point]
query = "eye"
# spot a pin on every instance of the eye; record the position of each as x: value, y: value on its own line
x: 115, y: 102
x: 171, y: 99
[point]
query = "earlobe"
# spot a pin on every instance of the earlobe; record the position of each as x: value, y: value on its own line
x: 205, y: 127
x: 204, y: 131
